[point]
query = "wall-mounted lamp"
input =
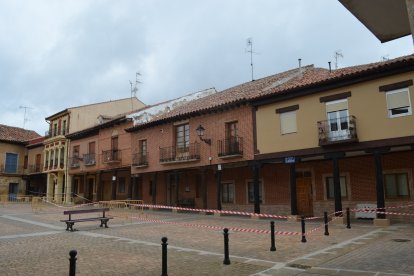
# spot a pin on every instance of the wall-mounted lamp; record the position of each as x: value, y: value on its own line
x: 200, y: 134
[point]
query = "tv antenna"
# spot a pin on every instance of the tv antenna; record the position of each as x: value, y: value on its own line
x: 385, y: 58
x: 25, y: 119
x: 338, y: 54
x: 250, y: 50
x: 134, y: 88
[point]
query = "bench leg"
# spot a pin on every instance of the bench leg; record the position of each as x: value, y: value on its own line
x: 67, y: 226
x: 71, y: 226
x: 104, y: 222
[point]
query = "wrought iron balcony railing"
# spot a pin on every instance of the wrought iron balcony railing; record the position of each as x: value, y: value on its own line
x: 140, y: 159
x: 74, y: 162
x: 180, y: 154
x: 336, y: 131
x: 35, y: 168
x: 230, y: 147
x: 111, y: 156
x: 89, y: 159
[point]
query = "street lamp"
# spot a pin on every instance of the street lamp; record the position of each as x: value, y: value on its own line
x: 200, y: 134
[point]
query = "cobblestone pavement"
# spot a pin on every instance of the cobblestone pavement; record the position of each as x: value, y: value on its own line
x: 36, y: 243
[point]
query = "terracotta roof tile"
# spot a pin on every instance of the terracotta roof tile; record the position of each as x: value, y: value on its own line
x: 16, y: 134
x: 285, y: 82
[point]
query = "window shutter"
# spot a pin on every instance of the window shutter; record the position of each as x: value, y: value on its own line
x: 288, y: 122
x: 398, y: 99
x: 336, y: 106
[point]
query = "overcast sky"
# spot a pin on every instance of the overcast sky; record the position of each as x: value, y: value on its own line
x: 59, y: 54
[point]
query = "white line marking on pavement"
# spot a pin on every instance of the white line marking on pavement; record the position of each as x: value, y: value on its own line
x: 29, y: 235
x: 362, y: 271
x: 201, y: 252
x: 50, y: 226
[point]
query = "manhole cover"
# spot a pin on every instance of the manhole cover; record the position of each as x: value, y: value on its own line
x: 401, y: 240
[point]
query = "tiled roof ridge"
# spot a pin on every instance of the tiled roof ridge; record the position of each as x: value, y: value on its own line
x: 16, y: 134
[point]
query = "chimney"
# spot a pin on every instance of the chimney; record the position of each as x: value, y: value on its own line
x: 300, y: 65
x: 330, y: 70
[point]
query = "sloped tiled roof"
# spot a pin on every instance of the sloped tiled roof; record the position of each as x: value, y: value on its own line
x: 16, y: 134
x: 286, y: 82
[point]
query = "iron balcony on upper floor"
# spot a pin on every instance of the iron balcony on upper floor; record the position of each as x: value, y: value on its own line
x: 111, y: 156
x: 177, y: 154
x: 140, y: 159
x: 231, y: 147
x: 337, y: 131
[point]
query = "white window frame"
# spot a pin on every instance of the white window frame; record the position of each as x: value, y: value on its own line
x: 281, y: 115
x: 407, y: 90
x: 347, y: 185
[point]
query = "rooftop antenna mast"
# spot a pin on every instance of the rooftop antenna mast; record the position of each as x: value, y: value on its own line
x: 134, y: 88
x: 250, y: 50
x: 25, y: 119
x: 338, y: 54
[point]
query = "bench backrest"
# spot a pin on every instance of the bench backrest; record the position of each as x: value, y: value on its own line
x: 85, y: 211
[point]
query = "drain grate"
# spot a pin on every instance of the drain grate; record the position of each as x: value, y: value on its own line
x: 401, y: 240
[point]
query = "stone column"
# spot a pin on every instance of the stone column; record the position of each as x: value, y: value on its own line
x: 49, y: 187
x: 59, y: 189
x: 68, y: 190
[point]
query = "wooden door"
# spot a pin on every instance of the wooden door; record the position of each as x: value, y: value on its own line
x: 304, y: 193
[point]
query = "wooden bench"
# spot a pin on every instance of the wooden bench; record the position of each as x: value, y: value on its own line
x: 70, y: 222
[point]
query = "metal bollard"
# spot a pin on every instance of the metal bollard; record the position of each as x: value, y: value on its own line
x: 226, y: 260
x: 72, y: 262
x: 302, y: 221
x: 325, y: 219
x: 272, y: 236
x: 164, y: 256
x: 348, y: 219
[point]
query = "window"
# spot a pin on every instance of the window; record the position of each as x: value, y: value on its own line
x: 250, y: 191
x: 227, y: 193
x: 121, y: 185
x: 26, y: 161
x: 91, y: 148
x: 143, y: 147
x: 330, y: 187
x: 64, y: 127
x: 182, y: 136
x: 398, y: 102
x: 231, y: 131
x: 75, y: 151
x: 396, y: 185
x: 55, y: 129
x: 288, y: 122
x: 11, y: 163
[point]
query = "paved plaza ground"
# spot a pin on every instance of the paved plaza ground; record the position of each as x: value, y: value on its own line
x: 34, y: 242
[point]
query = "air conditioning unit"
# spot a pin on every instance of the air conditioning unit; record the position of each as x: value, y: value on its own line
x: 370, y: 212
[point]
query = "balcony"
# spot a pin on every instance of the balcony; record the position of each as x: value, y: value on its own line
x: 74, y: 162
x: 338, y: 131
x: 232, y: 147
x: 180, y: 154
x: 35, y: 168
x: 111, y: 156
x: 140, y: 159
x: 89, y: 159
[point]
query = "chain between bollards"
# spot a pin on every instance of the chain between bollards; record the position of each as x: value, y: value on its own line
x: 164, y: 256
x: 302, y: 222
x: 348, y: 219
x: 272, y: 236
x: 72, y: 262
x: 226, y: 260
x: 325, y: 219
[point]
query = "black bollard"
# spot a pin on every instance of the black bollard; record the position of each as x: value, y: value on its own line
x: 72, y: 262
x: 272, y: 236
x: 164, y: 256
x: 348, y: 219
x: 302, y: 221
x: 226, y: 247
x: 325, y: 218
